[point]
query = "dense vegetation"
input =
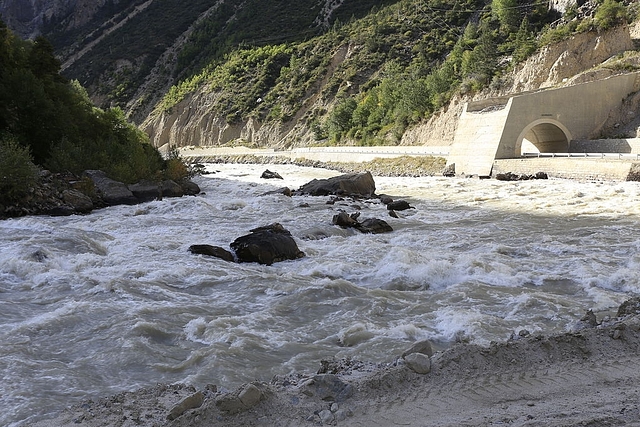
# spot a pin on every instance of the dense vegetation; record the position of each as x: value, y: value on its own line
x: 47, y: 119
x: 405, y: 61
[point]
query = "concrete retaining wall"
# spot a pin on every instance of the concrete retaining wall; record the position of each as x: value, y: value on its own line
x: 585, y: 169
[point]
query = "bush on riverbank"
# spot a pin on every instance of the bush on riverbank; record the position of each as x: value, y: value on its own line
x: 18, y: 174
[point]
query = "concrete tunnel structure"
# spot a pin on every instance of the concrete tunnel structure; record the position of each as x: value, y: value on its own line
x: 544, y: 121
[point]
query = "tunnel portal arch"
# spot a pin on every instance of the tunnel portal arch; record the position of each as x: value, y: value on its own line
x: 543, y: 136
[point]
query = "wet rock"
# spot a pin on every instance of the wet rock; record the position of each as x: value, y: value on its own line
x: 215, y: 251
x: 267, y: 174
x: 393, y: 214
x: 449, y: 170
x: 385, y: 200
x: 171, y: 188
x: 284, y: 190
x: 367, y: 225
x: 146, y: 190
x: 399, y: 205
x: 352, y: 184
x: 112, y: 192
x: 541, y: 175
x: 189, y: 188
x: 190, y: 402
x: 266, y: 245
x: 345, y: 220
x: 374, y: 226
x: 418, y: 362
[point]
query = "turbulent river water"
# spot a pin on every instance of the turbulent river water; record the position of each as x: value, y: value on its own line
x: 97, y: 304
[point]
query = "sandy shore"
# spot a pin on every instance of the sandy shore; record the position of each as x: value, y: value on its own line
x: 589, y: 376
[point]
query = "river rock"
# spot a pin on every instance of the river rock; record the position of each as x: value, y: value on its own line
x: 343, y: 219
x: 266, y: 245
x: 327, y: 387
x: 423, y: 347
x: 80, y: 202
x: 418, y: 362
x: 399, y: 205
x: 250, y: 395
x: 352, y: 184
x: 267, y: 174
x: 146, y: 190
x: 374, y: 226
x: 190, y: 402
x: 171, y: 188
x: 189, y: 188
x: 111, y: 191
x: 215, y: 251
x: 284, y: 190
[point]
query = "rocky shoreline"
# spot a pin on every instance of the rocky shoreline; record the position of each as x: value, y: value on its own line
x: 57, y: 194
x: 587, y: 376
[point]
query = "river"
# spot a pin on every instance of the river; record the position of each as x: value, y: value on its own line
x: 112, y: 301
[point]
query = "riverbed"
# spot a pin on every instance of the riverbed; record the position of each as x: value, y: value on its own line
x: 96, y: 304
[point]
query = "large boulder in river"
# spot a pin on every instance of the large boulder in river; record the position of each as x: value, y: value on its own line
x: 351, y: 184
x: 266, y: 245
x: 111, y: 191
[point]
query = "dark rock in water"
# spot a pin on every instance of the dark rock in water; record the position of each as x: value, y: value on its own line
x: 343, y: 219
x: 374, y: 226
x: 111, y: 191
x: 399, y: 205
x: 266, y: 245
x: 541, y: 175
x: 508, y: 176
x: 393, y: 214
x: 146, y: 190
x: 352, y: 184
x: 367, y: 225
x: 267, y: 174
x: 171, y: 189
x: 450, y: 170
x: 189, y: 188
x: 215, y: 251
x: 385, y: 200
x: 284, y: 190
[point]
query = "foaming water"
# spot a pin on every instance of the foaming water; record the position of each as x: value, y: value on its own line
x: 112, y: 301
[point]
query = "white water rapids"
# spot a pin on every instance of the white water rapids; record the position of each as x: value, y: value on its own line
x: 97, y: 304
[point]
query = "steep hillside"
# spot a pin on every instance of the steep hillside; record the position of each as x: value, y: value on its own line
x: 357, y: 72
x: 128, y: 53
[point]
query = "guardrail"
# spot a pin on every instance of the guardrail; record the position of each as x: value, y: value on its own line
x: 610, y: 156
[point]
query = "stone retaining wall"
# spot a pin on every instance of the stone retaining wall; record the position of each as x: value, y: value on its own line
x: 583, y: 169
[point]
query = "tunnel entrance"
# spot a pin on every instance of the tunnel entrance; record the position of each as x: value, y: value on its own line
x: 543, y: 136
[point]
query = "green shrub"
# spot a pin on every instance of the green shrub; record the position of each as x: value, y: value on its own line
x: 18, y: 174
x: 609, y: 14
